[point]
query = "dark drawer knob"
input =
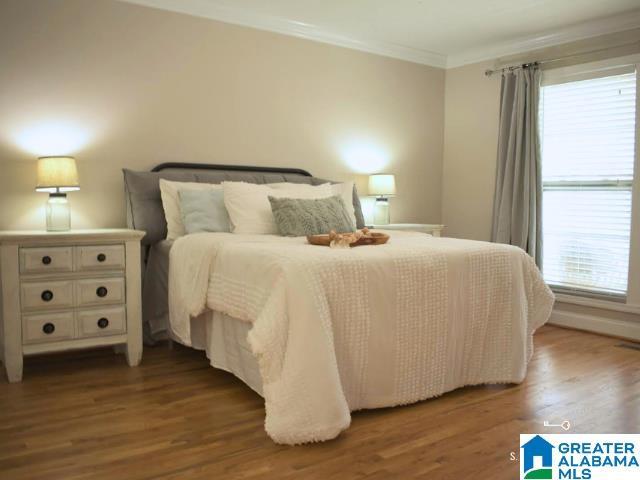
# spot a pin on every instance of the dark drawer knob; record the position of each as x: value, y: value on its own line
x: 48, y: 328
x: 102, y: 291
x: 46, y: 259
x: 103, y: 322
x: 47, y: 295
x: 101, y: 257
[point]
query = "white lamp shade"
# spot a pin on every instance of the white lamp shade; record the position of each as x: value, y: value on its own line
x: 57, y: 174
x: 382, y: 184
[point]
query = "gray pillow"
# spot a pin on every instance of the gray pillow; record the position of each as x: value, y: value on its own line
x: 301, y: 216
x: 204, y: 211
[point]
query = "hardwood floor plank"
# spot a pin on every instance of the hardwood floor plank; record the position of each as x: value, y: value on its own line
x: 88, y: 416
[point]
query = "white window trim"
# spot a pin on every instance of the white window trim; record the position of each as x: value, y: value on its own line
x: 595, y: 303
x: 585, y: 71
x: 633, y: 286
x: 611, y: 66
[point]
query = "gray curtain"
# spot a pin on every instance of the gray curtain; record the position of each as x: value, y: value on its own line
x: 517, y: 205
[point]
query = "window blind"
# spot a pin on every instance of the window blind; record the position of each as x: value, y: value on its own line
x: 587, y: 132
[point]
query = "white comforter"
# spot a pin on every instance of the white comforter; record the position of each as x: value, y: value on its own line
x: 341, y: 330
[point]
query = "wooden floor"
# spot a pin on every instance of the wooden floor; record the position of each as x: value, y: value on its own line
x: 89, y: 416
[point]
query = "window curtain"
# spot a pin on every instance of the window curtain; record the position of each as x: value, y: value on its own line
x: 517, y: 205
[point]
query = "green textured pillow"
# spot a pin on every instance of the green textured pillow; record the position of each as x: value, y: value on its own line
x: 297, y: 217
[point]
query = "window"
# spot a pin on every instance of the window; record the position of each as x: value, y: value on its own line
x: 587, y: 133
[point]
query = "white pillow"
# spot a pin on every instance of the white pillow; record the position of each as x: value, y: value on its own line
x: 249, y: 208
x: 344, y: 190
x: 169, y: 193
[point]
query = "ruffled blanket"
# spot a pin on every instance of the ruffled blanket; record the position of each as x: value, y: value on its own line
x: 340, y: 330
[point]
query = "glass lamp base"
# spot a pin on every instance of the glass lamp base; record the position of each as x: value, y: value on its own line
x: 381, y: 212
x: 58, y: 215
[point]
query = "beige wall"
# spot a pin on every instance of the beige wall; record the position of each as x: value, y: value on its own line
x: 472, y: 104
x: 120, y: 85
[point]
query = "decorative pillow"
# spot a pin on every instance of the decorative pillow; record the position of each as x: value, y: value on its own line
x: 249, y: 208
x: 296, y: 217
x: 204, y: 211
x: 344, y: 190
x: 171, y: 203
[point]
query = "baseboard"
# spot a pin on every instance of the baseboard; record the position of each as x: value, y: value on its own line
x: 592, y: 323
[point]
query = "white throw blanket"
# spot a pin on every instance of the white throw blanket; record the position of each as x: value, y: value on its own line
x: 341, y: 330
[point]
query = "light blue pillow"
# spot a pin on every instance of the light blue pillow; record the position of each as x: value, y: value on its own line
x: 204, y: 211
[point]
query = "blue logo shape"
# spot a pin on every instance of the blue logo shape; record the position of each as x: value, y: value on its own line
x: 538, y: 447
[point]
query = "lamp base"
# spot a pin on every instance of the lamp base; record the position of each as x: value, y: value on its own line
x: 381, y: 212
x: 58, y: 215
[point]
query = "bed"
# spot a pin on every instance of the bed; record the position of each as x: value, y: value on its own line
x: 319, y: 332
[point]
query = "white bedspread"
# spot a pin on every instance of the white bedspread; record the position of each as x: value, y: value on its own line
x: 341, y: 330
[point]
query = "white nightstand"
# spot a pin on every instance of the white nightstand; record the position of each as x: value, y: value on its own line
x: 68, y: 290
x: 433, y: 229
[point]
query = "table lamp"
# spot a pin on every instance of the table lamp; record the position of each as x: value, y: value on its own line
x: 57, y: 176
x: 382, y: 185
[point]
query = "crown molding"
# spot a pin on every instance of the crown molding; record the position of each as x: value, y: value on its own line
x: 582, y: 31
x: 492, y: 51
x: 247, y: 18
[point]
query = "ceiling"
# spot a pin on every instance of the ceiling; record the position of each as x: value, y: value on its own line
x: 442, y: 33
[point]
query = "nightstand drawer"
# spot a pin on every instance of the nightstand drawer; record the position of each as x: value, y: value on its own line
x: 47, y: 259
x: 99, y: 291
x: 49, y: 294
x: 101, y: 257
x: 104, y: 321
x: 47, y: 327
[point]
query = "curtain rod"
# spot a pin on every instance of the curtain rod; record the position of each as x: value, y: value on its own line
x: 510, y: 68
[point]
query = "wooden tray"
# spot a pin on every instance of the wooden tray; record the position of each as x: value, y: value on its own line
x: 372, y: 238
